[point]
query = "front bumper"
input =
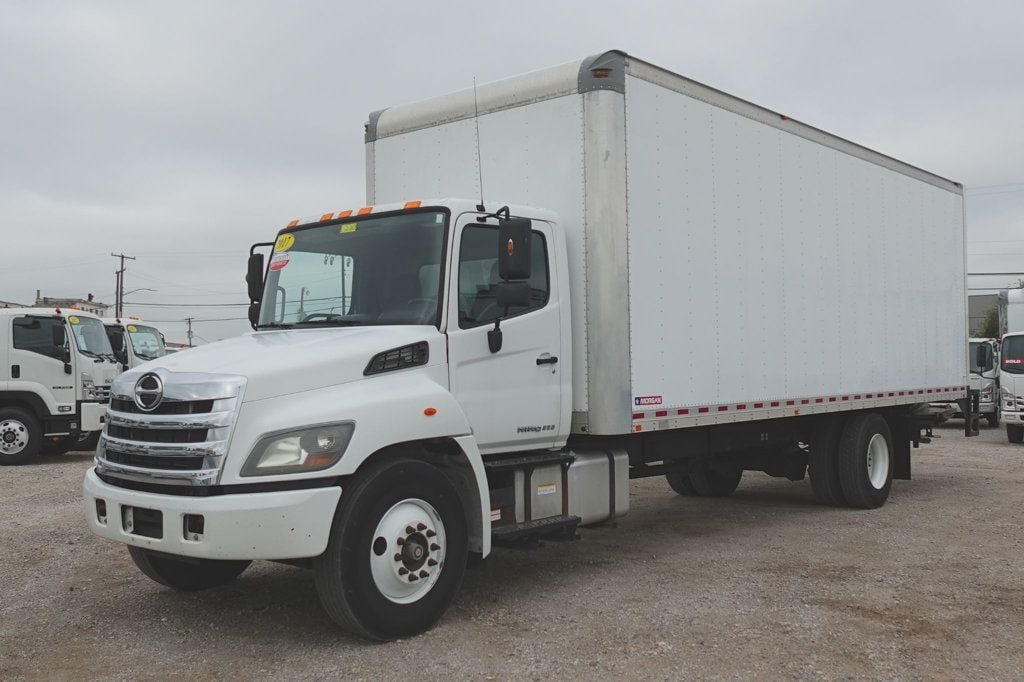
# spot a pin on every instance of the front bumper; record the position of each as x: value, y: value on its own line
x: 1013, y: 417
x: 292, y: 524
x: 983, y: 408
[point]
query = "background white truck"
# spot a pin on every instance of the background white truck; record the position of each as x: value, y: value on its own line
x: 133, y: 341
x: 660, y: 280
x: 56, y: 368
x: 1011, y: 364
x: 983, y: 378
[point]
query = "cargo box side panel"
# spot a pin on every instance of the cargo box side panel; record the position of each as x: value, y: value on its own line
x: 530, y: 154
x: 764, y: 265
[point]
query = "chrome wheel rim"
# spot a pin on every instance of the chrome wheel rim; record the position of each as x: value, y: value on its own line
x: 13, y: 436
x: 407, y: 551
x: 878, y: 461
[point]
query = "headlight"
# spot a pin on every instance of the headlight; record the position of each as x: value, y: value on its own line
x: 289, y: 452
x: 89, y: 391
x: 986, y: 393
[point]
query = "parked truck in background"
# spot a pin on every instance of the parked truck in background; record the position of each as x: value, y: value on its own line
x: 1011, y: 364
x: 983, y: 378
x: 133, y: 341
x: 1011, y: 311
x: 56, y: 368
x: 660, y: 280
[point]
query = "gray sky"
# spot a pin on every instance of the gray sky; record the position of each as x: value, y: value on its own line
x: 183, y: 132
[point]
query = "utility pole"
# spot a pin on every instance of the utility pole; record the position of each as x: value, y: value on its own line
x: 189, y: 320
x: 119, y: 296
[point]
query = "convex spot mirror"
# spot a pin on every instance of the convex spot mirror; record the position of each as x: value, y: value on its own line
x: 514, y: 260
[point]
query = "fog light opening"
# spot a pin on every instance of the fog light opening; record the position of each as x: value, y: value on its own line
x: 194, y: 527
x: 101, y: 512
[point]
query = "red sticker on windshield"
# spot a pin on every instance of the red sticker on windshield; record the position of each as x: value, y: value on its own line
x: 278, y: 262
x: 1011, y: 361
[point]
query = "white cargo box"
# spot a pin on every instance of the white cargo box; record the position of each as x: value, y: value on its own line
x: 727, y: 262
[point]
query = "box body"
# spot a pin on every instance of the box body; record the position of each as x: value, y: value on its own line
x: 726, y: 262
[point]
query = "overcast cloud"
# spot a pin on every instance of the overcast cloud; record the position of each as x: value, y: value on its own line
x: 183, y: 132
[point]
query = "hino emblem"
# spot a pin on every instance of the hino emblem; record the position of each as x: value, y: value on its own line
x: 149, y: 391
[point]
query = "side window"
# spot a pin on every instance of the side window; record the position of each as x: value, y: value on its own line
x: 40, y: 335
x: 478, y: 276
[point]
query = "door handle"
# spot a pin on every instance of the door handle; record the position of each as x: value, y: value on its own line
x: 550, y: 360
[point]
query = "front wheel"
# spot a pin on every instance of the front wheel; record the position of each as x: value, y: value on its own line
x: 186, y: 575
x: 1015, y: 434
x: 21, y: 436
x: 397, y: 551
x: 714, y: 482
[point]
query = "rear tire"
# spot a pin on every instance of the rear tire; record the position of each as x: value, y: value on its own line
x: 823, y: 465
x: 1015, y: 434
x: 865, y: 461
x: 21, y: 436
x: 397, y: 552
x: 186, y: 575
x: 715, y: 482
x: 679, y: 481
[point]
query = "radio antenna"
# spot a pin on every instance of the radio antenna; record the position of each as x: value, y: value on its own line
x: 479, y: 162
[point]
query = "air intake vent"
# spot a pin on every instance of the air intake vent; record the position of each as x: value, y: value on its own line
x: 412, y: 355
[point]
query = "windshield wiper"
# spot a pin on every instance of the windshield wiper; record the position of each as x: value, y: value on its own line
x: 334, y: 322
x: 274, y: 325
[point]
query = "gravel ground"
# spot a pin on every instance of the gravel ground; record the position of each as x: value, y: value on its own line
x: 764, y: 584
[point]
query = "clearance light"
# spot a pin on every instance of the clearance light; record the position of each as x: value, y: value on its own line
x: 345, y: 214
x: 411, y: 204
x: 325, y: 217
x: 430, y: 411
x: 293, y: 223
x: 365, y: 210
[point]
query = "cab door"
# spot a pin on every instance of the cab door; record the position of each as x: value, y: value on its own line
x: 513, y: 397
x: 39, y: 349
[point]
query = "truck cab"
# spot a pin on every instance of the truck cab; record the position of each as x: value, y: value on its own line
x: 133, y: 341
x: 1011, y: 367
x: 984, y: 378
x: 57, y: 368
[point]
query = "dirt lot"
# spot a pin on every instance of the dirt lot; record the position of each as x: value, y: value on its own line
x: 763, y: 584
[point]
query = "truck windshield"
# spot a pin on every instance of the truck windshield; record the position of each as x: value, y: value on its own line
x: 90, y: 336
x: 371, y: 271
x: 146, y: 341
x: 1012, y: 358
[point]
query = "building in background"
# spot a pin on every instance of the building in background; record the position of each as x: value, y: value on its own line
x: 87, y: 304
x: 977, y: 306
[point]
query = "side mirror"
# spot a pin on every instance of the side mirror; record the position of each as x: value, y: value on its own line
x: 254, y: 277
x: 510, y: 294
x: 514, y: 260
x: 254, y: 314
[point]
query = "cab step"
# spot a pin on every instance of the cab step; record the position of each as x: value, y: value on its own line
x: 562, y: 527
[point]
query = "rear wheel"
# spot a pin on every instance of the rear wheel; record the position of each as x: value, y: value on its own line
x: 713, y: 482
x: 186, y: 575
x: 1015, y: 434
x: 397, y: 552
x: 20, y: 436
x: 679, y: 481
x: 865, y: 461
x: 823, y: 465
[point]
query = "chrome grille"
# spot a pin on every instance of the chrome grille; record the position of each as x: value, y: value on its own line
x: 183, y: 440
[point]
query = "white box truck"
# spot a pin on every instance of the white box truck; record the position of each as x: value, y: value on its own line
x: 657, y: 279
x: 56, y: 369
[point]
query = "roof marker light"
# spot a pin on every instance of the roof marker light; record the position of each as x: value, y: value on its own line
x: 364, y: 210
x: 411, y: 204
x: 325, y: 217
x: 293, y: 223
x: 345, y: 214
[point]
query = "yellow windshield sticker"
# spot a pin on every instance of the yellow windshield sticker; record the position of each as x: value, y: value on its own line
x: 284, y: 242
x: 348, y: 227
x: 72, y: 319
x: 132, y: 328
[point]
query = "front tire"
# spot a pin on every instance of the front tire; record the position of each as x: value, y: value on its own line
x: 397, y: 552
x: 865, y: 461
x: 21, y: 436
x: 679, y: 481
x: 186, y: 575
x: 1015, y: 434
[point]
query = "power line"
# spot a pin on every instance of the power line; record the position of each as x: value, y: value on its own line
x: 189, y: 305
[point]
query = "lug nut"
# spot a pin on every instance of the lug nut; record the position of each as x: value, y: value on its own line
x: 431, y: 533
x: 402, y: 570
x: 421, y: 526
x: 424, y: 574
x: 434, y: 547
x: 409, y: 530
x: 413, y: 577
x: 398, y: 557
x: 431, y: 562
x: 400, y: 541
